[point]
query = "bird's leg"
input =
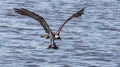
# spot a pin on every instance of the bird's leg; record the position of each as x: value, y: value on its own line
x: 52, y: 43
x: 52, y: 46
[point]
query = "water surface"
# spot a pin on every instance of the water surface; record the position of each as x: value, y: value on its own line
x: 92, y: 40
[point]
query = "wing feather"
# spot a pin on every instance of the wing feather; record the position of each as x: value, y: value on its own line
x: 77, y: 14
x: 30, y: 14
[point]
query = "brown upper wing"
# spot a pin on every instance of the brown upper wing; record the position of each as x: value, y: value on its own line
x: 77, y: 14
x: 28, y: 13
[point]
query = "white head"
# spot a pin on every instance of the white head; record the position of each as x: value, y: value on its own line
x: 57, y: 37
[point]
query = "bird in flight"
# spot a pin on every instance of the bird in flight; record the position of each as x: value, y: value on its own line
x: 49, y: 34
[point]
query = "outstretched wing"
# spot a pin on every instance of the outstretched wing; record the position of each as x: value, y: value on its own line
x: 77, y: 14
x: 28, y: 13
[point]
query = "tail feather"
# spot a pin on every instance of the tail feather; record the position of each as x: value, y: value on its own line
x: 45, y: 36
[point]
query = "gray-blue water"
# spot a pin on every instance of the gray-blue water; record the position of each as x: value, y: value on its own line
x: 92, y: 40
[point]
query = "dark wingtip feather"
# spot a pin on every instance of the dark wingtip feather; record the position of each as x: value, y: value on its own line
x: 79, y: 13
x: 20, y: 11
x: 17, y: 10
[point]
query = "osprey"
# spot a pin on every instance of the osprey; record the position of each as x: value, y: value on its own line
x: 49, y: 34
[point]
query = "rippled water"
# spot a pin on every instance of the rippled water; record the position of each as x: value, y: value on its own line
x: 93, y: 42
